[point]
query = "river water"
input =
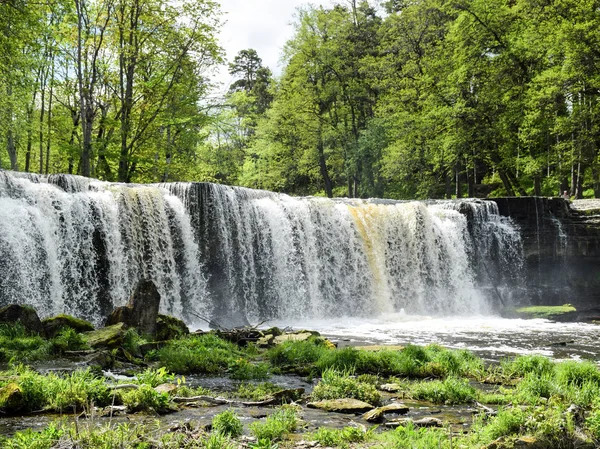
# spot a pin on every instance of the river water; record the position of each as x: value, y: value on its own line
x: 492, y: 338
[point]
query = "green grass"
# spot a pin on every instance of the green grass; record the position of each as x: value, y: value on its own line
x: 201, y: 354
x: 340, y: 385
x: 341, y: 438
x: 227, y: 423
x: 256, y: 392
x: 547, y: 312
x: 452, y: 390
x: 276, y: 426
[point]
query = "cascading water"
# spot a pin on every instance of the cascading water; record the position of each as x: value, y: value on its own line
x: 74, y: 245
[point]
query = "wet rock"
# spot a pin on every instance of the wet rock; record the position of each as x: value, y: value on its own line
x: 103, y: 359
x: 113, y: 410
x: 342, y: 405
x: 54, y: 324
x: 107, y: 337
x: 300, y: 336
x: 266, y: 341
x: 423, y: 422
x: 390, y: 388
x: 170, y: 389
x: 142, y: 310
x: 25, y: 315
x: 11, y: 398
x: 377, y: 415
x: 120, y: 314
x: 170, y: 328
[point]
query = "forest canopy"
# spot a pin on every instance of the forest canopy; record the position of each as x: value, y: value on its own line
x: 395, y: 99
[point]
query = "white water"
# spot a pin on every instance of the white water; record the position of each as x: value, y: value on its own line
x: 491, y: 337
x: 70, y: 244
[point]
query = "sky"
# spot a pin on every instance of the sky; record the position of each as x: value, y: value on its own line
x: 265, y: 25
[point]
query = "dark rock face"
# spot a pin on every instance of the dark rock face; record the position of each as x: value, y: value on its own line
x: 561, y: 244
x: 169, y: 328
x: 142, y: 310
x: 107, y: 337
x: 25, y: 315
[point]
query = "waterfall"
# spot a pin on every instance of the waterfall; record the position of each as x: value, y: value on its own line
x: 74, y: 245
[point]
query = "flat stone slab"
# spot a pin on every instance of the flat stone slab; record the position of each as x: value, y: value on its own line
x: 377, y: 415
x: 342, y: 405
x: 423, y: 422
x: 300, y: 336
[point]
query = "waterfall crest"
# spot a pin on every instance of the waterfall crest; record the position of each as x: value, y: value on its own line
x: 73, y: 245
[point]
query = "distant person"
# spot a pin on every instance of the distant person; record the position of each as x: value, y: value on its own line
x: 566, y: 196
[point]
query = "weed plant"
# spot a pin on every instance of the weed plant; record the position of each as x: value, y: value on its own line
x: 276, y: 426
x: 227, y: 423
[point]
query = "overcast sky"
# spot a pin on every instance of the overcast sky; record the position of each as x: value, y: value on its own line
x: 264, y: 25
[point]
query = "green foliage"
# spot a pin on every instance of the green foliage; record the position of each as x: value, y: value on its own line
x: 522, y: 365
x: 70, y: 392
x: 340, y: 437
x: 154, y: 377
x: 198, y: 354
x: 68, y: 339
x: 256, y: 392
x: 292, y: 355
x: 132, y: 341
x: 452, y: 390
x: 145, y: 398
x: 218, y: 441
x: 28, y: 439
x: 227, y: 423
x: 339, y: 385
x: 19, y: 344
x: 242, y: 369
x: 277, y: 425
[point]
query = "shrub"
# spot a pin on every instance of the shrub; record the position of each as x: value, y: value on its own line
x: 277, y: 425
x: 336, y: 385
x: 227, y: 423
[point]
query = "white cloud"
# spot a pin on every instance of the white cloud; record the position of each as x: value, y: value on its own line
x: 265, y: 25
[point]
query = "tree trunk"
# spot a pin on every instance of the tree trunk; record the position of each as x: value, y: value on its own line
x: 323, y: 167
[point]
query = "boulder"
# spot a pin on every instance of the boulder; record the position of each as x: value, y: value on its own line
x: 423, y: 422
x: 25, y: 315
x: 170, y: 328
x: 121, y: 314
x: 142, y: 310
x: 377, y: 415
x: 170, y: 389
x: 102, y: 359
x: 53, y: 325
x: 107, y: 337
x: 11, y: 398
x: 342, y: 405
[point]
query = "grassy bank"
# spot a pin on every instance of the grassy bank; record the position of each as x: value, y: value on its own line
x: 527, y: 400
